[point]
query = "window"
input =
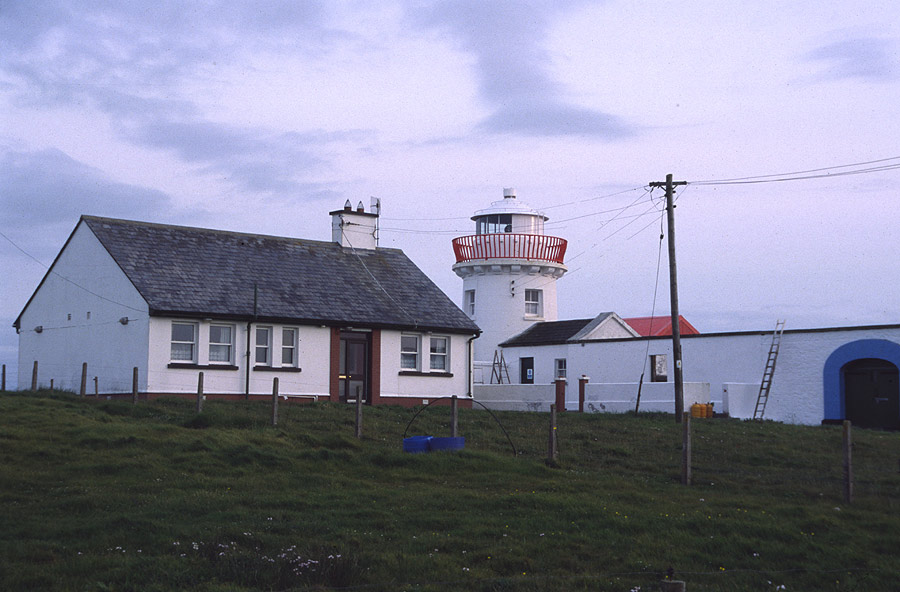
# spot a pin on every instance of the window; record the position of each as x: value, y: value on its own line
x: 288, y: 347
x: 658, y: 368
x: 494, y: 224
x: 221, y: 341
x: 533, y: 305
x: 439, y: 353
x: 184, y: 342
x: 263, y: 346
x: 560, y: 368
x: 470, y: 302
x: 409, y: 352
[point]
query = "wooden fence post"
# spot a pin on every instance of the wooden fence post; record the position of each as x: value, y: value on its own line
x: 51, y: 384
x: 83, y: 379
x: 96, y: 387
x: 3, y: 384
x: 34, y: 376
x: 582, y: 386
x: 134, y: 385
x: 200, y: 393
x: 848, y: 463
x: 553, y: 453
x: 686, y: 449
x: 454, y: 417
x: 359, y: 415
x: 275, y: 401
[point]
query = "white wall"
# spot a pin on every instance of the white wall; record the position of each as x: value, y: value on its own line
x: 598, y: 398
x: 313, y: 360
x: 797, y: 393
x: 429, y: 384
x: 84, y: 280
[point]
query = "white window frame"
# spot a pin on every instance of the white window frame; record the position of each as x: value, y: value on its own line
x: 534, y: 306
x: 470, y: 302
x: 409, y: 353
x: 559, y: 368
x: 264, y: 348
x: 229, y: 345
x: 290, y: 345
x: 193, y: 343
x: 434, y: 356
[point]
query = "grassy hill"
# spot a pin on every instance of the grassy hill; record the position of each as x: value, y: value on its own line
x: 103, y: 495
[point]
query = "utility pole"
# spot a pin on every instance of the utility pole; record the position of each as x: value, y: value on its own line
x: 673, y: 293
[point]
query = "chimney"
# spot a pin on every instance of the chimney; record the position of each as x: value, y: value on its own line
x: 509, y: 193
x: 355, y: 229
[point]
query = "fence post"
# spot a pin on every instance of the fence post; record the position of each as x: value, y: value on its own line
x: 83, y: 379
x: 34, y: 376
x: 51, y: 384
x: 553, y: 453
x: 582, y: 386
x: 560, y: 394
x: 275, y: 401
x: 359, y: 415
x: 96, y: 387
x: 3, y: 384
x: 134, y: 385
x: 200, y: 393
x: 848, y: 463
x: 686, y: 449
x: 454, y: 417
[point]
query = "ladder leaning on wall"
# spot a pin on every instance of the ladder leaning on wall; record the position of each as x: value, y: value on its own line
x: 499, y: 368
x: 769, y: 372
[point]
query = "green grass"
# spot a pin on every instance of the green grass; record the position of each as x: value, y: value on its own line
x: 99, y: 495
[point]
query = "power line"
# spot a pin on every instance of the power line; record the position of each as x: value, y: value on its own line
x: 77, y: 285
x: 808, y: 174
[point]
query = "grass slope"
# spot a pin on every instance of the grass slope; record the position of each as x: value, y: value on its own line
x: 103, y: 495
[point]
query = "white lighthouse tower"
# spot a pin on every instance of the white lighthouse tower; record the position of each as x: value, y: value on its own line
x: 509, y: 269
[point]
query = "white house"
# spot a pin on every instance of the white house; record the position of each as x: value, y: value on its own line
x: 332, y: 320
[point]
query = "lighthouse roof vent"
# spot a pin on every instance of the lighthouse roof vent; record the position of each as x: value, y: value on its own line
x: 509, y: 205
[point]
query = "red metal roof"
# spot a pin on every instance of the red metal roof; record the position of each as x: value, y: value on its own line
x: 657, y: 326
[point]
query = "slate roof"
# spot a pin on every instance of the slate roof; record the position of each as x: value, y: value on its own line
x: 547, y: 333
x: 182, y: 271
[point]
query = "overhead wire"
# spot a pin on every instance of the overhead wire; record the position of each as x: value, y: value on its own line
x: 77, y: 285
x: 817, y: 173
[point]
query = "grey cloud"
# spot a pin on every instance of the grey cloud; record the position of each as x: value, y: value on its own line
x: 49, y: 187
x: 864, y: 58
x: 505, y: 37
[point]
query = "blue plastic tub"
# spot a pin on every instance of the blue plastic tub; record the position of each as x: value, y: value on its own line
x: 416, y: 444
x: 436, y: 444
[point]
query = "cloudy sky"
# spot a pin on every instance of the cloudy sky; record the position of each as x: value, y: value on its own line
x: 263, y: 116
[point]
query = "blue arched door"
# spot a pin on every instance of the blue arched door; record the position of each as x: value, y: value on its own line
x: 860, y: 381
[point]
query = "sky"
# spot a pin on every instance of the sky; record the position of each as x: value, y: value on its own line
x: 263, y: 116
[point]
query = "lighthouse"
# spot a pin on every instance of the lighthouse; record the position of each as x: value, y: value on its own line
x: 509, y: 269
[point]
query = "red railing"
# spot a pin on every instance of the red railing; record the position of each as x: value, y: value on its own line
x: 536, y: 247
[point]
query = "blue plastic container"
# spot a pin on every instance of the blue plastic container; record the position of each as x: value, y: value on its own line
x: 436, y: 444
x: 416, y: 444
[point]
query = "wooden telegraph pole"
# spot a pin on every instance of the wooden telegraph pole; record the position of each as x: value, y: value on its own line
x: 669, y: 185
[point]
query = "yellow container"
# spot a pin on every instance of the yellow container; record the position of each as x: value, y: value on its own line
x: 697, y: 410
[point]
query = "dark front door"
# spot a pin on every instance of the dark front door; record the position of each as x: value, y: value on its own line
x: 871, y: 394
x: 354, y: 367
x: 526, y: 370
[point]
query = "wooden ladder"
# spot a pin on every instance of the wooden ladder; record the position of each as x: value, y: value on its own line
x: 769, y: 372
x: 499, y: 368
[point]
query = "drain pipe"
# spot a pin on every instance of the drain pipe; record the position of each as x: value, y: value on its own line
x: 470, y: 378
x: 249, y: 337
